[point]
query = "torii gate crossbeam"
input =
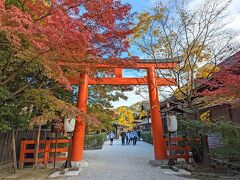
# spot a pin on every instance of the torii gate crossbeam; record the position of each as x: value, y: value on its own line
x: 151, y: 80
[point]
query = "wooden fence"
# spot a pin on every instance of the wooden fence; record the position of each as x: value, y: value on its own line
x: 47, y: 149
x: 6, y: 154
x: 181, y: 147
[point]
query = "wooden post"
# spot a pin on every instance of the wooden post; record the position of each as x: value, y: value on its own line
x: 22, y: 154
x: 170, y: 158
x: 206, y: 156
x: 46, y: 154
x: 55, y: 151
x: 68, y: 161
x: 37, y: 146
x: 14, y: 152
x: 187, y: 153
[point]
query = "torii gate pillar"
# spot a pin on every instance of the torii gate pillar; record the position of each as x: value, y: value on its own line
x: 78, y: 134
x: 159, y: 142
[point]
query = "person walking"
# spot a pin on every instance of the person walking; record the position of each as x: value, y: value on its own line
x: 135, y: 137
x: 128, y: 138
x: 123, y: 137
x: 111, y: 136
x: 132, y: 137
x: 107, y: 135
x: 139, y: 135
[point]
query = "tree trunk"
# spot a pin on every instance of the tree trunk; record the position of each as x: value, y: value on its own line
x: 14, y: 152
x: 206, y: 156
x: 55, y: 151
x: 37, y: 146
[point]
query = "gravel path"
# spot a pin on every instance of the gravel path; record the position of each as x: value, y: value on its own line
x: 119, y: 162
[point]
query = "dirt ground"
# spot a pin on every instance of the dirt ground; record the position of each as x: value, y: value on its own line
x: 214, y: 172
x: 30, y: 174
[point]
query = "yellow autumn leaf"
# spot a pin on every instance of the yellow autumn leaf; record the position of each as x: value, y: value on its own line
x: 125, y: 117
x: 207, y: 71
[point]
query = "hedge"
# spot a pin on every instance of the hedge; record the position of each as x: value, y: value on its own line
x: 147, y: 137
x: 94, y: 141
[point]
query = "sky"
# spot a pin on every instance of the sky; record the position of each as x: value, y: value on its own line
x: 233, y: 18
x: 141, y: 5
x: 137, y: 6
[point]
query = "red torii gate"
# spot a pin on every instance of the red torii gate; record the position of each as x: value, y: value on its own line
x: 151, y: 80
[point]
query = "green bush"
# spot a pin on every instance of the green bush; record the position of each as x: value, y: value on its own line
x: 94, y: 141
x: 147, y: 137
x: 231, y: 140
x: 229, y: 131
x: 189, y: 128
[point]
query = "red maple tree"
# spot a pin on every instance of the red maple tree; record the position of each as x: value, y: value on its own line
x: 71, y: 31
x: 226, y: 82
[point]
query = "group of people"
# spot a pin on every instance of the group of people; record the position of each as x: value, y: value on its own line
x: 130, y: 137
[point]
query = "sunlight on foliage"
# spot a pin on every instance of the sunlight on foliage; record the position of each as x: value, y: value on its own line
x: 207, y: 71
x: 125, y: 117
x: 143, y: 114
x: 205, y: 117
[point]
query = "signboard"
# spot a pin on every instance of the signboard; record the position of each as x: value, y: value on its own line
x: 214, y: 140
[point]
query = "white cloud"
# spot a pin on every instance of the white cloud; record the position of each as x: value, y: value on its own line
x: 233, y: 15
x: 164, y: 92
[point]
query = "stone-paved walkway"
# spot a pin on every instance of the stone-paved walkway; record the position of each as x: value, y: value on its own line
x: 119, y: 162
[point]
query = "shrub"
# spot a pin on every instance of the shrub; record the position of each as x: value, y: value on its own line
x: 147, y: 137
x: 192, y: 129
x: 94, y: 141
x: 231, y: 140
